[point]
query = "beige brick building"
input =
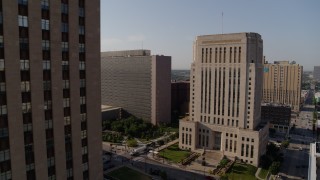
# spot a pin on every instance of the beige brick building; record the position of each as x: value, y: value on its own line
x: 282, y: 84
x: 225, y: 97
x: 50, y: 119
x: 138, y: 82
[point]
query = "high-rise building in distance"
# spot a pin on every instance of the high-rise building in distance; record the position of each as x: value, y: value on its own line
x: 50, y: 119
x: 282, y: 84
x: 138, y: 82
x: 225, y: 97
x: 316, y: 73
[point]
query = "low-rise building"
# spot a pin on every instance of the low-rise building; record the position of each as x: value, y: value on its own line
x: 279, y: 116
x: 180, y: 97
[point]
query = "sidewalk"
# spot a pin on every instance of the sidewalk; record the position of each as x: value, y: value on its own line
x: 195, y: 166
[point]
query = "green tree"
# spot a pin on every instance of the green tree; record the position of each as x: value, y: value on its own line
x: 285, y: 144
x: 132, y: 143
x: 265, y: 161
x: 275, y: 167
x: 161, y: 142
x: 224, y: 177
x: 272, y: 149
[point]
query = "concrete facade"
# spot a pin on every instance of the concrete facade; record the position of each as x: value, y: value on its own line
x: 282, y: 84
x: 316, y: 73
x: 225, y: 97
x: 50, y: 124
x: 138, y: 82
x: 314, y: 161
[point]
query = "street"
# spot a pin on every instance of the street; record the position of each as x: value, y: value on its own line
x: 296, y: 156
x: 143, y: 163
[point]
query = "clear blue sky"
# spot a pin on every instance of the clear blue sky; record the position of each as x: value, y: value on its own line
x: 290, y: 28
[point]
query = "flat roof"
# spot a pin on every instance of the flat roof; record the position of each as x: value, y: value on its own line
x: 108, y: 108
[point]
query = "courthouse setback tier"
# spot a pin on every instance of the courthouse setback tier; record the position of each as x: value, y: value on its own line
x: 282, y: 84
x: 137, y: 82
x: 225, y: 97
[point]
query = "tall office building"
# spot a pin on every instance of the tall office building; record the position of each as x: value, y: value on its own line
x: 282, y: 84
x: 50, y: 120
x: 225, y: 97
x: 138, y: 82
x: 316, y: 73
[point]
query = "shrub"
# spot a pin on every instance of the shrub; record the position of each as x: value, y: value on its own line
x: 285, y: 144
x: 132, y: 143
x: 274, y: 168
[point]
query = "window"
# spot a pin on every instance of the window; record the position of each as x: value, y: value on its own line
x: 64, y: 8
x: 45, y: 45
x: 81, y: 12
x: 82, y: 83
x: 30, y: 167
x: 25, y: 86
x: 81, y: 47
x: 47, y: 105
x: 66, y: 84
x: 24, y: 64
x: 23, y: 21
x: 64, y: 27
x: 84, y: 150
x: 46, y: 64
x: 83, y: 117
x: 46, y: 85
x: 2, y: 87
x: 45, y: 4
x: 83, y: 134
x: 66, y: 102
x: 65, y: 46
x: 182, y: 138
x: 81, y: 30
x: 82, y: 100
x: 1, y: 64
x: 67, y: 120
x: 26, y: 107
x: 4, y: 155
x: 1, y: 18
x: 82, y: 65
x: 45, y: 24
x: 24, y: 43
x: 48, y: 124
x: 65, y: 65
x: 50, y: 162
x: 1, y: 41
x: 85, y: 166
x: 23, y: 2
x: 27, y: 127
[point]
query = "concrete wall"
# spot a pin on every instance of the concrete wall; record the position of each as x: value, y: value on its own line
x: 138, y: 84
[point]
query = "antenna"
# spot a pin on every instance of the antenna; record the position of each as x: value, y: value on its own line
x: 222, y: 21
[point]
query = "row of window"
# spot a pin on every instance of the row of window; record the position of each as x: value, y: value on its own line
x: 233, y: 123
x: 220, y: 55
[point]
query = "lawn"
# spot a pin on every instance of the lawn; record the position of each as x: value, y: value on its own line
x: 242, y: 172
x: 174, y: 154
x: 125, y: 173
x: 263, y: 173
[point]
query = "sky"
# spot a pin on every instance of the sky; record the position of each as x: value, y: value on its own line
x: 290, y: 29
